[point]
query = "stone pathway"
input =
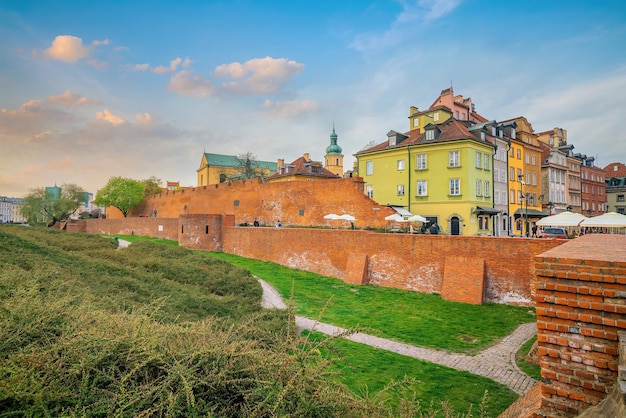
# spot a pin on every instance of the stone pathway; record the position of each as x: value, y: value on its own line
x: 496, y: 363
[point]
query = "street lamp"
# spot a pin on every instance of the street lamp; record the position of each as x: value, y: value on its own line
x: 520, y: 178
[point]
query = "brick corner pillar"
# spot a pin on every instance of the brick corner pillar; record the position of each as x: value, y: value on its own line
x: 463, y: 279
x: 581, y: 307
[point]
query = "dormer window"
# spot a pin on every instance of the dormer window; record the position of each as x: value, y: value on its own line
x: 430, y: 134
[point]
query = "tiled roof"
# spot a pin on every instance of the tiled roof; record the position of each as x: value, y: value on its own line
x: 615, y: 170
x: 451, y: 130
x: 232, y: 161
x: 304, y: 167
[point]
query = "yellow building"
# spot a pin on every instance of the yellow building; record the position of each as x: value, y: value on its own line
x: 218, y: 168
x: 442, y: 170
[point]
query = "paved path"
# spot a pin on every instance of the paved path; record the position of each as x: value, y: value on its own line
x: 496, y: 363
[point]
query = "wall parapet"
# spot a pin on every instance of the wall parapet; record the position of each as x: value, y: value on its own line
x: 580, y: 305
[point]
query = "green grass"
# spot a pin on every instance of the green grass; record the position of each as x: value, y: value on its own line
x: 532, y: 370
x: 367, y: 370
x: 159, y: 330
x: 415, y: 318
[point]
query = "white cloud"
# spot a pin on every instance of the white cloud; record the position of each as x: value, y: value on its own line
x: 260, y: 75
x: 98, y: 65
x: 402, y: 28
x: 434, y: 9
x: 67, y: 48
x: 174, y: 64
x: 70, y: 99
x: 102, y: 42
x: 141, y: 67
x: 29, y: 120
x: 109, y: 117
x: 189, y: 84
x: 143, y: 118
x: 290, y: 109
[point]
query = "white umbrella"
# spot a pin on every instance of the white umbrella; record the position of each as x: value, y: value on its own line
x: 416, y: 218
x: 607, y: 220
x: 395, y: 217
x: 562, y: 219
x: 347, y: 217
x: 331, y: 216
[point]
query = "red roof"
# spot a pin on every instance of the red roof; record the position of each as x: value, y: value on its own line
x: 304, y: 167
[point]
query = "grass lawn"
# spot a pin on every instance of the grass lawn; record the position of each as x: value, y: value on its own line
x: 368, y: 370
x: 415, y: 318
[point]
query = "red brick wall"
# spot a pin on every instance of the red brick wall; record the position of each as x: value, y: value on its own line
x: 152, y: 227
x: 301, y: 203
x: 404, y: 261
x: 581, y: 302
x: 413, y: 262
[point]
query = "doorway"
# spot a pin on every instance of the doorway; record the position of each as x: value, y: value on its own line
x: 454, y: 225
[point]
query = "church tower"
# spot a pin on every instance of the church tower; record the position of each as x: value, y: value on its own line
x: 334, y: 158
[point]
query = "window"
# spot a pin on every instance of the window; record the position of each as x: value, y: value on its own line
x: 422, y: 188
x: 400, y: 164
x: 487, y: 189
x: 512, y: 152
x: 496, y: 197
x: 519, y: 154
x: 421, y: 161
x: 479, y: 188
x: 486, y: 164
x: 400, y: 189
x: 620, y: 197
x: 512, y: 174
x: 534, y: 160
x: 483, y: 222
x: 621, y: 211
x: 369, y: 168
x: 527, y: 158
x: 436, y: 116
x: 453, y: 159
x: 479, y: 158
x: 502, y: 154
x: 503, y: 176
x: 527, y: 178
x: 534, y: 179
x: 369, y: 191
x: 512, y: 196
x: 455, y: 187
x: 430, y: 134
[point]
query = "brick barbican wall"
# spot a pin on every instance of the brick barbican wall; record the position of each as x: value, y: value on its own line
x: 403, y: 261
x: 581, y: 302
x: 166, y: 228
x: 302, y: 203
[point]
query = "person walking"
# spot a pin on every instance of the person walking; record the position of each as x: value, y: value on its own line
x: 434, y: 229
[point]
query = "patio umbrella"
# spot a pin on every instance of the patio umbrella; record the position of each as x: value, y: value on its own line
x: 395, y: 217
x: 562, y: 219
x: 416, y: 218
x: 607, y: 220
x: 331, y: 216
x: 347, y: 217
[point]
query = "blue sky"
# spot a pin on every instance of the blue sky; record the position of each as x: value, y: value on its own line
x: 91, y: 90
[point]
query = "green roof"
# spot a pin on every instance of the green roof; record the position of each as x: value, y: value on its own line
x: 232, y: 161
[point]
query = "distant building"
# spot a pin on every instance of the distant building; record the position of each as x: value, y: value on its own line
x: 11, y: 210
x: 218, y: 168
x: 302, y: 169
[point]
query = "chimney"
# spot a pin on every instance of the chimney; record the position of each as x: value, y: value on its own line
x: 306, y: 156
x: 280, y: 166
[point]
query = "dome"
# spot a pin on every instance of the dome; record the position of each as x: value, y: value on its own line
x: 333, y: 148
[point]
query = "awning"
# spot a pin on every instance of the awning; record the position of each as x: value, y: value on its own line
x: 485, y: 210
x: 401, y: 211
x: 530, y: 213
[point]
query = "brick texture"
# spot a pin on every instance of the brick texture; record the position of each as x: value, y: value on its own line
x: 472, y: 271
x: 581, y: 301
x: 403, y: 261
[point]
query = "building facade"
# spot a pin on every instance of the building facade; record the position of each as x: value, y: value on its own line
x: 218, y: 168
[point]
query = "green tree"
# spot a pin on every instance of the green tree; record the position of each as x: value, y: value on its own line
x: 152, y: 186
x: 121, y: 193
x: 51, y: 206
x: 247, y: 168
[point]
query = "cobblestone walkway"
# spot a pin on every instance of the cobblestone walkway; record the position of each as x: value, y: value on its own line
x: 496, y: 363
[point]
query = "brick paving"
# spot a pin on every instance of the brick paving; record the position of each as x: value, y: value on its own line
x: 496, y: 363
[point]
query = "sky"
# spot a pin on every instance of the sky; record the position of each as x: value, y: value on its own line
x: 94, y: 89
